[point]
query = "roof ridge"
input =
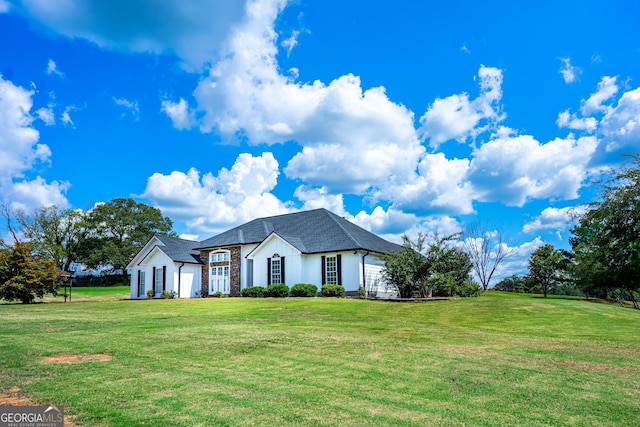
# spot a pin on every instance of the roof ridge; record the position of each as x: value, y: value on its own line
x: 335, y: 219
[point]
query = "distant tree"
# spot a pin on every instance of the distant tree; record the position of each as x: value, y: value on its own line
x: 120, y: 228
x: 514, y: 283
x: 606, y: 241
x: 56, y: 234
x: 25, y: 276
x: 487, y: 250
x: 545, y: 267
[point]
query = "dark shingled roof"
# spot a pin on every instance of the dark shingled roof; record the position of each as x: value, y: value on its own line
x: 310, y: 232
x: 180, y: 250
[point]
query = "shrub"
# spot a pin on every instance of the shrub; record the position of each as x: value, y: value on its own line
x: 443, y: 285
x: 304, y: 290
x: 150, y: 293
x: 470, y: 289
x: 277, y: 290
x: 168, y: 295
x: 362, y: 292
x: 253, y: 292
x: 333, y: 291
x: 217, y: 295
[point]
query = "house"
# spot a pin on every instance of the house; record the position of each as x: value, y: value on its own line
x: 315, y: 246
x: 166, y: 264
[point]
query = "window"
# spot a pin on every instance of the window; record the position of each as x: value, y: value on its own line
x: 276, y: 272
x: 331, y: 269
x: 141, y: 280
x: 275, y: 269
x: 219, y: 256
x: 219, y: 280
x: 159, y: 279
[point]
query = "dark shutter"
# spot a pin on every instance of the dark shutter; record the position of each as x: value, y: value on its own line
x: 268, y: 271
x: 282, y: 269
x: 139, y: 283
x: 339, y: 268
x: 164, y: 277
x: 153, y: 281
x: 324, y: 270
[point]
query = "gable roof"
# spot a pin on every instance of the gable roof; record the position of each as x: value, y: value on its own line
x: 313, y: 231
x: 179, y: 250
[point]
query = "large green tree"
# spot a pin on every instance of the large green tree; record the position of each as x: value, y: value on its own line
x: 120, y: 228
x: 25, y: 276
x: 57, y: 234
x: 605, y: 242
x: 546, y: 265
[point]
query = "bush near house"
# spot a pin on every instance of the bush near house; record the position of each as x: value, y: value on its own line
x: 276, y: 290
x: 304, y: 290
x: 333, y: 291
x: 253, y: 292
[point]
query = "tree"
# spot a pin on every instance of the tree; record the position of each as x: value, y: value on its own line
x: 487, y: 250
x: 411, y: 268
x: 545, y: 266
x: 120, y: 228
x: 605, y: 241
x: 56, y: 234
x: 25, y: 276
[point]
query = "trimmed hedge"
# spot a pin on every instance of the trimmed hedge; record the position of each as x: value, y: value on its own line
x: 304, y: 290
x: 277, y: 290
x: 333, y: 291
x: 253, y: 292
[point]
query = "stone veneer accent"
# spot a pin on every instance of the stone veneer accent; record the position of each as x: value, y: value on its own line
x: 235, y: 260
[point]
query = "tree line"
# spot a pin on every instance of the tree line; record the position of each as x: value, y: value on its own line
x: 604, y: 260
x: 48, y: 241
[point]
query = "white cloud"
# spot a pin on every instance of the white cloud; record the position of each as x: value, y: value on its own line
x: 20, y: 151
x: 572, y: 121
x: 514, y: 169
x: 315, y: 198
x: 456, y: 117
x: 194, y: 30
x: 607, y: 88
x: 52, y: 68
x: 291, y: 42
x: 47, y: 115
x: 621, y: 124
x: 440, y: 185
x: 211, y: 204
x: 132, y: 107
x: 180, y: 114
x: 569, y: 72
x: 555, y: 218
x: 65, y: 117
x: 337, y: 124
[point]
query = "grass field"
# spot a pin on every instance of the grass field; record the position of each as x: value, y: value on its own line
x: 499, y: 360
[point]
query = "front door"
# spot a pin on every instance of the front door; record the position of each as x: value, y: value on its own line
x: 219, y: 280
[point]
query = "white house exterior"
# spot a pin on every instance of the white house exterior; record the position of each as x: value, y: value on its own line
x: 166, y: 264
x: 314, y: 246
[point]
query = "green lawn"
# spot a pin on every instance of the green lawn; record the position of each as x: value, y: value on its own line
x: 499, y: 360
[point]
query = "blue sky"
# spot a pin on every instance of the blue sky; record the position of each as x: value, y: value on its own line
x: 402, y: 116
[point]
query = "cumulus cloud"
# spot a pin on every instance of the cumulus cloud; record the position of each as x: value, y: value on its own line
x: 20, y: 151
x: 180, y: 114
x: 515, y: 169
x: 621, y: 124
x: 555, y: 218
x: 607, y: 88
x: 213, y: 203
x: 319, y: 197
x: 191, y: 29
x: 459, y: 118
x: 569, y: 72
x: 337, y: 124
